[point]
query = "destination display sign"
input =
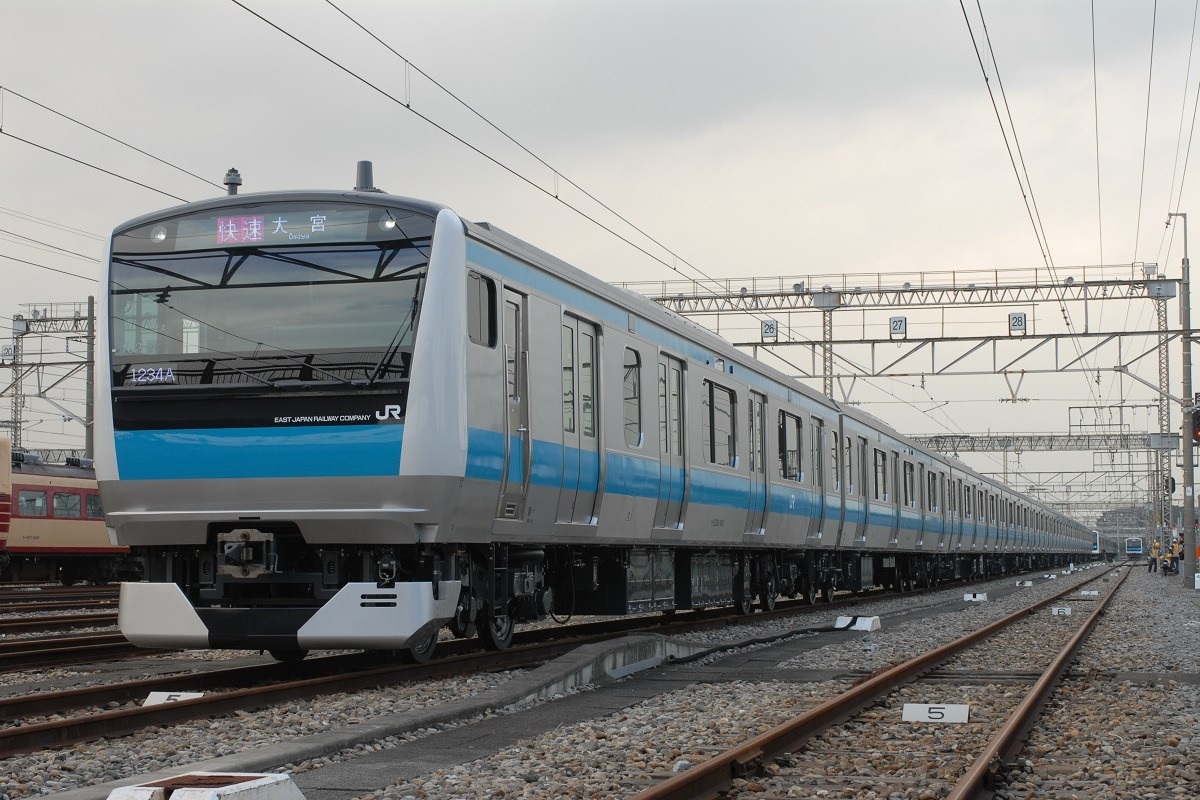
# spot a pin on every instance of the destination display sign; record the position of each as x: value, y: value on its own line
x: 273, y: 225
x: 282, y: 226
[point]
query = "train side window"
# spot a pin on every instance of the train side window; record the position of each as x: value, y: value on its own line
x: 68, y: 505
x: 31, y: 503
x: 94, y: 511
x: 633, y: 398
x: 481, y: 309
x: 720, y: 433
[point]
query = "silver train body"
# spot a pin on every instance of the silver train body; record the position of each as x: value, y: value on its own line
x: 311, y: 457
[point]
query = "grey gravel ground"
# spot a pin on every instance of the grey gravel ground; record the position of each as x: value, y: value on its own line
x: 1125, y: 728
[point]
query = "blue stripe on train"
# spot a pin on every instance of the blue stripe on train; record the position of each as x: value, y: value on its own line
x: 371, y: 450
x: 293, y: 452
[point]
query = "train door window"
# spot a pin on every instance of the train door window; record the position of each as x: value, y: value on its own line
x: 931, y: 491
x: 992, y: 508
x: 880, y: 482
x: 568, y: 378
x: 789, y: 447
x: 862, y: 466
x: 720, y: 432
x: 31, y: 503
x: 836, y: 453
x: 895, y: 476
x: 816, y: 438
x: 758, y: 434
x: 849, y: 464
x: 94, y: 511
x: 587, y: 381
x: 910, y: 484
x: 512, y: 355
x: 68, y: 505
x: 662, y: 408
x: 670, y: 408
x: 481, y: 309
x: 633, y: 398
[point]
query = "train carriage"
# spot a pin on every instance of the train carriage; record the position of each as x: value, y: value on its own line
x: 348, y: 419
x: 52, y: 526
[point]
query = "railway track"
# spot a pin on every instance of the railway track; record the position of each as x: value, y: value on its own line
x: 788, y: 757
x: 253, y: 687
x: 28, y: 653
x: 259, y: 686
x: 59, y: 622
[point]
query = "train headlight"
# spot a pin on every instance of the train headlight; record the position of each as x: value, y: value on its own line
x: 159, y: 234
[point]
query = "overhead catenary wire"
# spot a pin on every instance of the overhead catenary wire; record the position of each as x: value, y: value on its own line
x: 1145, y: 133
x: 89, y: 165
x: 110, y: 137
x: 1021, y: 173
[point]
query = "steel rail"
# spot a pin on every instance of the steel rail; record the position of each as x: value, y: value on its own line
x: 979, y: 775
x: 27, y: 653
x: 122, y: 722
x: 58, y: 622
x: 716, y: 775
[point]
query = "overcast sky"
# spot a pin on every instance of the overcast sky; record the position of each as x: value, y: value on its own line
x: 749, y: 138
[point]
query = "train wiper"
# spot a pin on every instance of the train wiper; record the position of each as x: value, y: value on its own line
x: 389, y: 352
x: 307, y: 363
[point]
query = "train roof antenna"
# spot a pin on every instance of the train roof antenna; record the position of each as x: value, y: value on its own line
x: 365, y: 182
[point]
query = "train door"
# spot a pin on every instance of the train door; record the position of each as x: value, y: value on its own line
x: 756, y: 519
x: 515, y: 476
x: 581, y: 420
x: 897, y: 498
x: 816, y: 441
x: 859, y: 485
x: 924, y: 501
x: 943, y: 517
x: 672, y: 466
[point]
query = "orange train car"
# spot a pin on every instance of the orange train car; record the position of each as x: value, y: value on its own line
x: 52, y: 526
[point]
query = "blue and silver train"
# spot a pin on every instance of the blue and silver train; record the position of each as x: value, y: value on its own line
x: 346, y: 419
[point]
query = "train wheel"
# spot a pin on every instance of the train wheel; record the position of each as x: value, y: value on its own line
x: 743, y: 601
x: 827, y: 590
x: 810, y: 592
x: 422, y: 652
x: 288, y: 656
x: 462, y: 624
x: 767, y: 594
x: 495, y: 633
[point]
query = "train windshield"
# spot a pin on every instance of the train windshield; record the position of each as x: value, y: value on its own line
x: 337, y: 312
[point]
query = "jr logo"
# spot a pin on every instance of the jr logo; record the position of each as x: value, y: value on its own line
x: 389, y: 412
